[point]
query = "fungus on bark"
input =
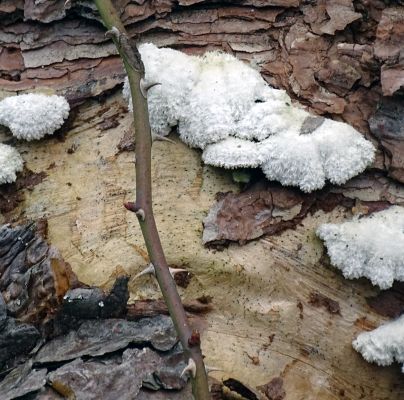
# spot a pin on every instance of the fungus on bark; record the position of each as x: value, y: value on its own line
x: 370, y: 247
x: 32, y: 116
x: 383, y: 345
x: 29, y: 117
x: 224, y: 107
x: 333, y: 151
x: 10, y: 163
x: 233, y: 153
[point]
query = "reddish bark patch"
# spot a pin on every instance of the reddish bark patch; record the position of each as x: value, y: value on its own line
x: 274, y: 389
x: 195, y: 339
x: 387, y: 124
x: 319, y: 300
x: 251, y: 214
x: 300, y: 307
x: 42, y: 228
x: 267, y: 208
x: 109, y: 123
x: 330, y: 55
x: 150, y: 308
x: 389, y: 46
x: 183, y: 279
x: 364, y: 324
x: 127, y: 142
x: 263, y: 209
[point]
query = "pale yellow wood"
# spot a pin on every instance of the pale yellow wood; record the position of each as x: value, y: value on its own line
x: 256, y: 289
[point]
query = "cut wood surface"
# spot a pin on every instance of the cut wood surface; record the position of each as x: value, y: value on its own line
x: 267, y: 320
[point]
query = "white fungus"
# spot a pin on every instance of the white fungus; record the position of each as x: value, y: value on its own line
x: 294, y: 160
x: 205, y: 96
x: 32, y: 116
x: 10, y: 163
x: 384, y: 345
x: 370, y: 247
x: 275, y: 115
x: 176, y: 72
x: 224, y: 91
x: 333, y: 151
x: 223, y: 106
x: 233, y: 153
x: 344, y: 152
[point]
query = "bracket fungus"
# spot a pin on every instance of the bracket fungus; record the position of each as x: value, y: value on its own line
x: 370, y: 247
x: 384, y: 345
x: 224, y: 107
x: 32, y: 116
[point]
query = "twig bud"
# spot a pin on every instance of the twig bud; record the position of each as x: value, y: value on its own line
x: 195, y: 338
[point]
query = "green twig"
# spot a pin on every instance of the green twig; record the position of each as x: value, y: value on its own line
x: 143, y: 205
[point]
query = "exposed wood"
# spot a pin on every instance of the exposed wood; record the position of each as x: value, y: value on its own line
x: 261, y: 292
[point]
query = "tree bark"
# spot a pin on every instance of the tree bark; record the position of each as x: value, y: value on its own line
x: 339, y: 58
x: 264, y: 325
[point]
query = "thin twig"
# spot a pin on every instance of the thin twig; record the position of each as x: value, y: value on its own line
x: 143, y: 205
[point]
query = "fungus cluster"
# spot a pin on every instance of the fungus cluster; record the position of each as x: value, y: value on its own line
x: 384, y: 345
x: 224, y: 107
x: 10, y: 163
x: 32, y: 116
x: 29, y: 117
x: 372, y: 247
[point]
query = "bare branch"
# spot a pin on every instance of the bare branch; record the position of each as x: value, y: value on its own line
x: 135, y: 71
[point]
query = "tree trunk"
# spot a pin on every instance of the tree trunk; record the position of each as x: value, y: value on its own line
x: 341, y: 59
